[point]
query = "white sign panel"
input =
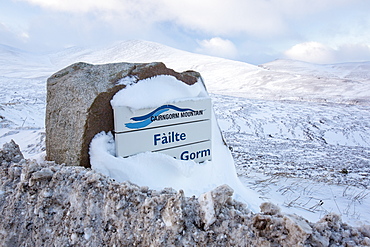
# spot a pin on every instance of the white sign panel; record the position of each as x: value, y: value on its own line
x: 127, y: 119
x: 181, y: 129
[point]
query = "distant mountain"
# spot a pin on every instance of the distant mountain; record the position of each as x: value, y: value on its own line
x: 359, y: 71
x: 277, y: 80
x: 298, y: 154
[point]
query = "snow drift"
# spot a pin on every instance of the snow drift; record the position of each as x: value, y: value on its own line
x: 63, y: 205
x: 159, y: 171
x: 294, y: 152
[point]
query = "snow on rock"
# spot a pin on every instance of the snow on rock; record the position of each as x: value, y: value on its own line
x: 278, y: 145
x: 173, y: 213
x: 78, y: 105
x: 211, y: 203
x: 157, y: 170
x: 10, y: 152
x: 298, y: 227
x: 58, y: 205
x: 155, y: 91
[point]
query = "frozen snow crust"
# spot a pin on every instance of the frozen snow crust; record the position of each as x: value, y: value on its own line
x: 293, y: 143
x: 155, y: 91
x: 59, y: 205
x: 158, y: 171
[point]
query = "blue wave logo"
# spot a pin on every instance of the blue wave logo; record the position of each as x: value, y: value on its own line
x: 145, y: 120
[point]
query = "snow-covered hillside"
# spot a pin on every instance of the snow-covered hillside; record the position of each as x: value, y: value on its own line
x: 281, y: 79
x: 292, y: 125
x: 311, y: 158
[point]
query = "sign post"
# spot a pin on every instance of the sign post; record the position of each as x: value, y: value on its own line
x: 181, y: 130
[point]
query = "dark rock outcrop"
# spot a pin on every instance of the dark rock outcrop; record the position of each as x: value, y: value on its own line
x: 10, y: 153
x: 78, y: 104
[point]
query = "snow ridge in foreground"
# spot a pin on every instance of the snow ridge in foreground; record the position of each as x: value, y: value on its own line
x: 69, y: 205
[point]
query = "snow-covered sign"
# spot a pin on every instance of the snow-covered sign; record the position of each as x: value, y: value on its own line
x: 180, y: 129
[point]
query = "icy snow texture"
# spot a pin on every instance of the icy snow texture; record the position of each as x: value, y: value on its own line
x: 278, y: 146
x: 59, y: 205
x: 156, y: 91
x: 282, y: 150
x: 158, y: 171
x: 11, y: 153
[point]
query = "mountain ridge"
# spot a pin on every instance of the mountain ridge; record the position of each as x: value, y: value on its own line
x: 276, y: 80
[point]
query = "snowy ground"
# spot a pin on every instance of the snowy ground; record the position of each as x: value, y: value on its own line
x: 309, y: 158
x: 310, y: 155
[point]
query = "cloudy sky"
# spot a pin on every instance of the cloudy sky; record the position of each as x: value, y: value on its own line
x: 253, y: 31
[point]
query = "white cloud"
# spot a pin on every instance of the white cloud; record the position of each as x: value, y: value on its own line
x: 267, y: 23
x: 218, y: 47
x: 315, y: 52
x: 303, y: 8
x: 254, y: 18
x: 353, y: 52
x: 219, y: 17
x: 216, y: 17
x: 11, y: 35
x: 77, y: 6
x: 124, y: 12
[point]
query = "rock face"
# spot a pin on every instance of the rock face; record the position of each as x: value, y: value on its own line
x: 78, y: 104
x: 57, y: 205
x: 10, y: 153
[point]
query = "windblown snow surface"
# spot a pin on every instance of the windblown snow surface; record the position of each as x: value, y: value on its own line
x: 157, y: 170
x: 299, y: 132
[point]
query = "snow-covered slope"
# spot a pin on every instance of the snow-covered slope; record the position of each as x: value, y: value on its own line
x: 281, y: 79
x: 351, y: 71
x: 329, y: 131
x: 344, y: 82
x: 310, y: 158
